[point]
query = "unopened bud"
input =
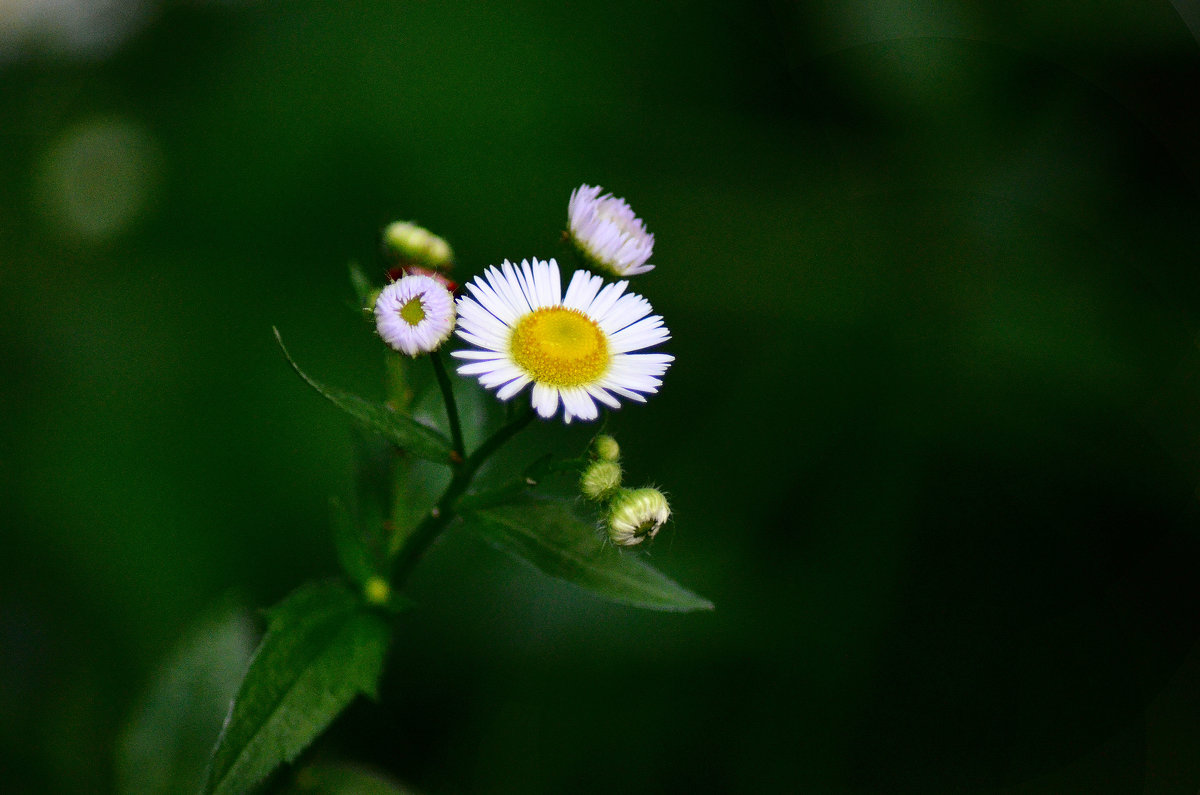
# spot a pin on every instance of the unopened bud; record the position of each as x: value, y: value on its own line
x: 606, y: 448
x: 377, y: 591
x: 411, y: 243
x: 600, y: 480
x: 636, y: 515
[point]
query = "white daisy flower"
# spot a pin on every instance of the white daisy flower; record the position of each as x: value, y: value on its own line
x: 607, y: 233
x: 576, y: 349
x: 415, y: 314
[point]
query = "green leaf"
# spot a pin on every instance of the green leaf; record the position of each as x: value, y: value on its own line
x: 401, y: 429
x: 350, y: 543
x: 165, y: 747
x: 550, y: 535
x: 321, y: 649
x: 363, y: 287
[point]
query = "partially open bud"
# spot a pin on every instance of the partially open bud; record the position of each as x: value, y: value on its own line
x: 600, y: 480
x: 411, y: 243
x: 414, y: 315
x: 606, y: 448
x: 607, y: 233
x: 636, y: 515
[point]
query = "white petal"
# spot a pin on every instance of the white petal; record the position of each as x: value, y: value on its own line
x: 643, y: 334
x: 525, y: 283
x: 629, y: 309
x: 473, y: 354
x: 634, y: 364
x: 480, y: 368
x: 544, y: 283
x: 638, y: 382
x: 500, y: 376
x: 662, y: 359
x: 512, y: 387
x: 620, y: 390
x: 488, y: 342
x: 606, y: 300
x: 545, y: 399
x: 582, y: 290
x: 483, y: 325
x: 555, y: 282
x: 579, y: 403
x: 602, y: 396
x: 490, y: 300
x: 510, y: 287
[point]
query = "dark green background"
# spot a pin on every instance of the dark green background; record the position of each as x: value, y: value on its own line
x: 932, y: 437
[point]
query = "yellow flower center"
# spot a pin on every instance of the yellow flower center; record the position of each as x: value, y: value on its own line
x: 559, y: 347
x: 413, y: 312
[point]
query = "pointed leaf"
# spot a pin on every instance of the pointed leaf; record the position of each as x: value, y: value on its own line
x: 321, y: 649
x: 550, y: 535
x: 400, y: 429
x: 363, y: 287
x: 350, y: 544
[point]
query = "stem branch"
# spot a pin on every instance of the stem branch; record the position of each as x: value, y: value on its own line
x: 439, y: 370
x: 444, y: 512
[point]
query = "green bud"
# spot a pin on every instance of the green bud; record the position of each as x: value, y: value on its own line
x: 600, y: 480
x: 636, y: 515
x: 606, y: 448
x: 377, y: 591
x: 411, y: 243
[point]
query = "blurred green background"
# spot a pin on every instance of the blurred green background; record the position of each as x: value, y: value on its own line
x: 932, y: 437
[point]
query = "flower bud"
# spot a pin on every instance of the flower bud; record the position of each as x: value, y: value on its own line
x: 377, y: 591
x: 606, y: 448
x: 411, y: 243
x: 600, y: 480
x: 636, y: 515
x: 607, y: 233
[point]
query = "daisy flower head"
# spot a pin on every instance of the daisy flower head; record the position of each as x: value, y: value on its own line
x: 415, y: 314
x: 607, y: 233
x: 578, y: 349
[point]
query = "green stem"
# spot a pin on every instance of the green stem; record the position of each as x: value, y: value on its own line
x: 444, y: 512
x: 456, y: 437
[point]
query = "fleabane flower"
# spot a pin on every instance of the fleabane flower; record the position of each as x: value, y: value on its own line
x: 415, y: 314
x: 607, y: 233
x: 575, y: 349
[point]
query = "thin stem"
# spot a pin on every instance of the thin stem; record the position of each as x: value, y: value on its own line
x: 497, y: 440
x: 442, y: 513
x: 456, y: 437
